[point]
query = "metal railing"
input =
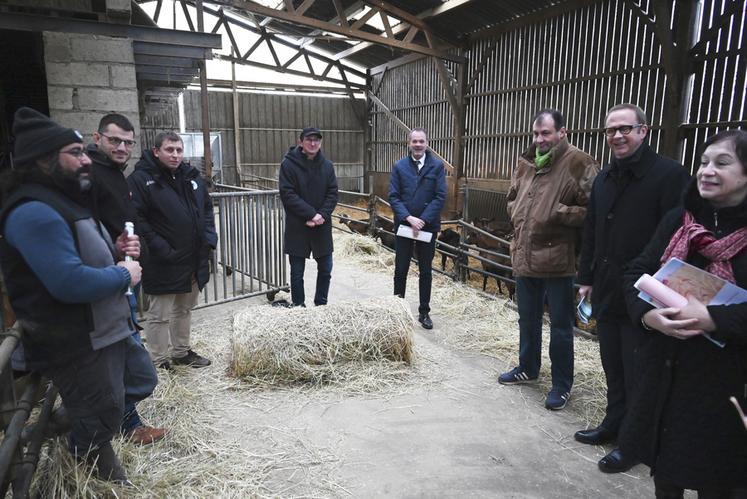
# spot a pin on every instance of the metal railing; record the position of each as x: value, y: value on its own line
x: 19, y: 453
x: 249, y: 259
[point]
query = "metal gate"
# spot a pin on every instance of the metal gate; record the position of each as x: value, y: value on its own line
x: 249, y: 259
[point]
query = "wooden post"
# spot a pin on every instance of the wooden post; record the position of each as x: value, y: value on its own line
x: 236, y: 125
x: 678, y: 68
x: 204, y: 101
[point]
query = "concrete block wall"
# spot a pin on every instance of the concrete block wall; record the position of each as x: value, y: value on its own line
x: 89, y: 76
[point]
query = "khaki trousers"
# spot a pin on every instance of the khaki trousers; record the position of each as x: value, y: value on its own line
x: 167, y: 325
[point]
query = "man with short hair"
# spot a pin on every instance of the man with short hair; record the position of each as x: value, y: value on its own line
x: 417, y: 192
x: 112, y: 205
x: 547, y: 204
x: 629, y: 198
x: 175, y: 218
x: 66, y: 280
x: 308, y: 191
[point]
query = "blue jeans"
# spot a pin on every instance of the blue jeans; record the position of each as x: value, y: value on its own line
x: 403, y: 253
x: 140, y: 379
x: 323, y: 276
x: 530, y: 293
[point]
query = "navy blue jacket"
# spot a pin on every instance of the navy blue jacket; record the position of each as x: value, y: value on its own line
x: 420, y: 194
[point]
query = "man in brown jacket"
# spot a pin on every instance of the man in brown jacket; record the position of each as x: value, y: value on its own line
x: 547, y: 204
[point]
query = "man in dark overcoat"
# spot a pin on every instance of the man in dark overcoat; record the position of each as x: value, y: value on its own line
x: 628, y: 199
x: 308, y: 190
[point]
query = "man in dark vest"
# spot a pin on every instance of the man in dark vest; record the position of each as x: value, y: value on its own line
x: 66, y: 280
x: 628, y: 199
x: 112, y: 205
x: 308, y: 190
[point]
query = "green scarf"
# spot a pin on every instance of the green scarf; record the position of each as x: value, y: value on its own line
x: 541, y: 160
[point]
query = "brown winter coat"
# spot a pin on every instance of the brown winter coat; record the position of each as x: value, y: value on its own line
x: 547, y: 209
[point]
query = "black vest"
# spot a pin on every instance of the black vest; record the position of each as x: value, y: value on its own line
x: 51, y: 327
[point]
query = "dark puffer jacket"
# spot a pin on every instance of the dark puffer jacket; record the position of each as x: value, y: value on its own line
x: 176, y: 221
x: 681, y: 422
x: 307, y: 187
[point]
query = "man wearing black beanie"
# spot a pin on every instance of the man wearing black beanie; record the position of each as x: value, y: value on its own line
x: 66, y: 280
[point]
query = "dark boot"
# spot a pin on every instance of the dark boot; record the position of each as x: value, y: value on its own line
x: 107, y: 464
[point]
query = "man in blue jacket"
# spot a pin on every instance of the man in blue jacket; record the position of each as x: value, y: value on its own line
x: 417, y: 191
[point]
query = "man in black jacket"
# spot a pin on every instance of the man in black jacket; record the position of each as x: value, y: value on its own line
x: 175, y: 218
x: 308, y: 190
x: 112, y: 205
x: 628, y: 199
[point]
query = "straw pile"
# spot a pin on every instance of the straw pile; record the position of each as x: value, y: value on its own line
x: 318, y: 345
x: 489, y: 325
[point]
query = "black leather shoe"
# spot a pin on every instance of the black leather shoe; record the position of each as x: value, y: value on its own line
x: 615, y: 462
x: 425, y: 321
x: 595, y: 436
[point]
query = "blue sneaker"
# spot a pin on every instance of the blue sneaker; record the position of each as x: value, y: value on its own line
x: 516, y: 376
x: 557, y: 399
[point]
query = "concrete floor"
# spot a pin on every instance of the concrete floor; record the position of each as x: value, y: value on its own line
x: 455, y: 433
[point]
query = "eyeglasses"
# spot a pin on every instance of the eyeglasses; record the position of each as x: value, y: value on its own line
x: 76, y: 153
x: 313, y: 140
x: 116, y: 141
x: 624, y: 129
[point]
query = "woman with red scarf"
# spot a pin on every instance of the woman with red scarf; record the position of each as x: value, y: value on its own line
x: 682, y: 423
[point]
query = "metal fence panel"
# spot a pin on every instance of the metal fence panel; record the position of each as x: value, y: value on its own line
x: 249, y: 258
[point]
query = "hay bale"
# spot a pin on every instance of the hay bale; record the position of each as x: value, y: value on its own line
x: 311, y: 344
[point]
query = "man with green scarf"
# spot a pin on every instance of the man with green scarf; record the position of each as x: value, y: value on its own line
x: 547, y: 204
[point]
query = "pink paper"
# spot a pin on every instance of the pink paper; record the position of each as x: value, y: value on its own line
x: 660, y: 292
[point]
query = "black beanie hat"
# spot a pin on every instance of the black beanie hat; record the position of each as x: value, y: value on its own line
x: 37, y: 135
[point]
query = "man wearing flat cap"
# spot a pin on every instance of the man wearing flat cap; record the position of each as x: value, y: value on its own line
x: 308, y: 190
x: 66, y: 280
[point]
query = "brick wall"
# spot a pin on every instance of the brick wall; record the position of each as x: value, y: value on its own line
x: 89, y: 76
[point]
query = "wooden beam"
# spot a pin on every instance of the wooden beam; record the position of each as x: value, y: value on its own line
x: 264, y: 34
x: 481, y: 65
x: 322, y: 77
x: 341, y: 14
x: 395, y: 63
x: 250, y: 6
x: 304, y: 7
x: 443, y: 75
x: 352, y: 50
x: 404, y: 126
x: 397, y: 12
x: 385, y: 22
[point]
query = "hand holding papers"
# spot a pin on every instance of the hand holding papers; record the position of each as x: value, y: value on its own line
x: 677, y: 279
x: 406, y: 231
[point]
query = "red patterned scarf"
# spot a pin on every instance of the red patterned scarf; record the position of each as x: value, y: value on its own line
x: 692, y: 235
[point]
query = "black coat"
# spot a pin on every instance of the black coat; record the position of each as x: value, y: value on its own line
x: 112, y: 201
x: 176, y: 221
x: 621, y: 220
x: 307, y: 188
x: 681, y: 422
